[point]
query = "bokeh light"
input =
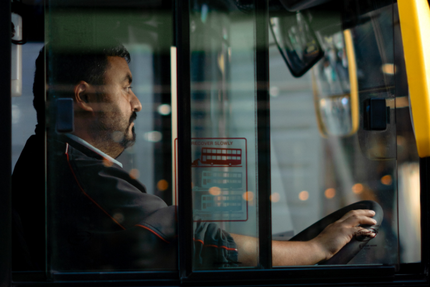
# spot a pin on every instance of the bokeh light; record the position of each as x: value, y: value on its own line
x: 304, y: 195
x: 274, y: 91
x: 248, y: 196
x: 215, y: 190
x: 117, y: 136
x: 274, y: 197
x: 386, y: 179
x: 162, y: 185
x: 388, y: 69
x: 134, y: 173
x: 164, y: 109
x: 357, y: 188
x: 153, y: 136
x: 330, y: 192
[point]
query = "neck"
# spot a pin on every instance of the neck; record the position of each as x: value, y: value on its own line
x: 111, y: 148
x: 91, y: 131
x: 101, y: 142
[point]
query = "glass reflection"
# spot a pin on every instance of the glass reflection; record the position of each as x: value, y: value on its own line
x: 109, y: 201
x: 336, y: 115
x: 223, y: 132
x: 296, y: 41
x: 316, y: 175
x: 335, y: 96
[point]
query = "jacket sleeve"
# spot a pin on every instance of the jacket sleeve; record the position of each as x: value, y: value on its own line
x: 213, y: 247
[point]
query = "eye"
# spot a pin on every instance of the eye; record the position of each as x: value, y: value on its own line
x: 128, y: 89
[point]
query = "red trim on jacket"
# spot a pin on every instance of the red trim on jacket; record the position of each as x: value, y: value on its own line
x: 155, y: 233
x: 83, y: 191
x: 216, y: 246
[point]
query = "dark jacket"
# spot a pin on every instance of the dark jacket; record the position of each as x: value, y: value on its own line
x: 99, y: 218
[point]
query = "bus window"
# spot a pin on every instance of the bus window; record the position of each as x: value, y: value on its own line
x: 313, y: 176
x: 115, y: 58
x: 223, y: 142
x: 23, y: 113
x: 310, y: 176
x: 23, y: 126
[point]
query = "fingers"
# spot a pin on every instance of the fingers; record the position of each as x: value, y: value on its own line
x: 361, y: 232
x: 339, y: 233
x: 359, y: 217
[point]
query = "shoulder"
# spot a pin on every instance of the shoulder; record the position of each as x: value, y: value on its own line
x: 114, y: 190
x: 91, y: 168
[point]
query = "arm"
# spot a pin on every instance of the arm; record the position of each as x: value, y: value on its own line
x: 283, y: 252
x: 322, y: 247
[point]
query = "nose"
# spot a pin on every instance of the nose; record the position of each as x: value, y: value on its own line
x: 135, y: 103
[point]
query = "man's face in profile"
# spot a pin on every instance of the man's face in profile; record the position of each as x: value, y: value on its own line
x: 118, y: 104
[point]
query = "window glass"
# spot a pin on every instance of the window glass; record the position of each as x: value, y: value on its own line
x: 109, y: 184
x: 224, y: 143
x: 23, y: 113
x: 25, y: 229
x: 320, y: 164
x: 313, y: 174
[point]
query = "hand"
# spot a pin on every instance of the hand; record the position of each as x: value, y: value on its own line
x: 339, y: 233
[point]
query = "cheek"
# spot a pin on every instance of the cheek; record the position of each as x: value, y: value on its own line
x: 125, y: 108
x: 106, y: 107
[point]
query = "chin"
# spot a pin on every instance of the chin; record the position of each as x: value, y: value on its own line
x: 129, y: 140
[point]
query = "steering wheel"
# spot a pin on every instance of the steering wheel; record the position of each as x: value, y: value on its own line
x: 357, y: 242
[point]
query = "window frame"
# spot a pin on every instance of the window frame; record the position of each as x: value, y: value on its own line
x: 5, y: 145
x: 414, y: 274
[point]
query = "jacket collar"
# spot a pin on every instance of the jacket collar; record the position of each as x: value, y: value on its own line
x: 92, y: 148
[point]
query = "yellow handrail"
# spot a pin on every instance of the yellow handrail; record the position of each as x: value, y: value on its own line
x: 353, y: 82
x: 415, y: 28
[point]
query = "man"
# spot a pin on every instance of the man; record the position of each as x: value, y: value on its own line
x: 99, y: 217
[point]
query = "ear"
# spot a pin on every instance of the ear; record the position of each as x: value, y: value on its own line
x: 84, y: 96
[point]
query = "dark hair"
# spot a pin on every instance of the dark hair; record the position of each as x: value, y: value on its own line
x: 66, y: 69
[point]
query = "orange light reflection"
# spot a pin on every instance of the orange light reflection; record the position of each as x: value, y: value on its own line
x: 357, y: 188
x: 304, y: 195
x: 215, y: 190
x: 386, y: 179
x: 330, y: 192
x: 134, y: 173
x: 162, y: 185
x: 248, y: 196
x: 275, y: 197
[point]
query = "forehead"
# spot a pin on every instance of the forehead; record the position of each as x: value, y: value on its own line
x: 117, y: 70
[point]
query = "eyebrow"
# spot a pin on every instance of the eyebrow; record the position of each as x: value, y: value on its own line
x: 129, y: 78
